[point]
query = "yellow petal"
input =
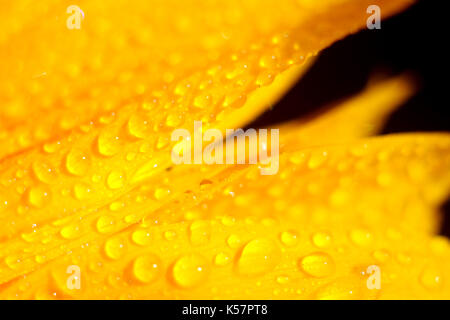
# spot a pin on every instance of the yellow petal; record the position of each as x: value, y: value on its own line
x: 91, y: 184
x: 342, y: 208
x: 359, y: 116
x: 129, y: 139
x: 199, y: 60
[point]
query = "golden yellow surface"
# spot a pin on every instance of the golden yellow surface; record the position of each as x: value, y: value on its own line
x: 86, y: 177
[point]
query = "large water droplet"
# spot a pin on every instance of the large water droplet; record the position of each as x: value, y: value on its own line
x: 44, y: 172
x: 146, y: 268
x: 189, y: 270
x: 108, y: 144
x: 77, y: 162
x: 258, y: 257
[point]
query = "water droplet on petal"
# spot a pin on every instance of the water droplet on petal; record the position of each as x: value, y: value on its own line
x: 115, y: 248
x: 431, y: 278
x: 289, y: 238
x: 71, y: 231
x: 108, y: 144
x: 234, y: 241
x: 38, y: 196
x: 147, y: 268
x: 141, y: 237
x: 361, y: 237
x: 318, y: 265
x: 381, y: 255
x: 116, y: 180
x: 82, y: 191
x: 106, y: 224
x: 321, y: 239
x: 13, y: 261
x: 189, y: 270
x: 228, y: 221
x: 317, y: 159
x: 77, y: 163
x: 138, y: 126
x: 200, y: 232
x: 161, y: 193
x: 170, y: 235
x: 44, y: 172
x: 282, y: 279
x: 258, y: 257
x: 222, y: 259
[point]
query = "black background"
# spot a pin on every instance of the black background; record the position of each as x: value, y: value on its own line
x: 416, y: 40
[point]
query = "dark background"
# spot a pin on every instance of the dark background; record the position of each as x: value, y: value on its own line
x: 414, y: 41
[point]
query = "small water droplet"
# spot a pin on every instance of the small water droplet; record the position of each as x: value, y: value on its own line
x: 52, y: 147
x: 115, y: 248
x: 234, y: 241
x: 116, y: 180
x: 381, y: 255
x: 173, y: 120
x: 228, y: 221
x: 161, y: 193
x: 71, y: 231
x: 203, y: 101
x: 321, y: 239
x: 38, y: 196
x: 106, y: 224
x: 431, y: 278
x: 289, y: 238
x: 317, y: 159
x: 170, y: 235
x: 361, y: 238
x: 82, y: 191
x: 222, y: 259
x: 200, y: 232
x: 116, y: 206
x: 141, y: 237
x: 318, y: 265
x: 282, y: 279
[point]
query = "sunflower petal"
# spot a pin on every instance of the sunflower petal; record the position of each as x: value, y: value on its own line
x: 360, y: 116
x: 369, y: 197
